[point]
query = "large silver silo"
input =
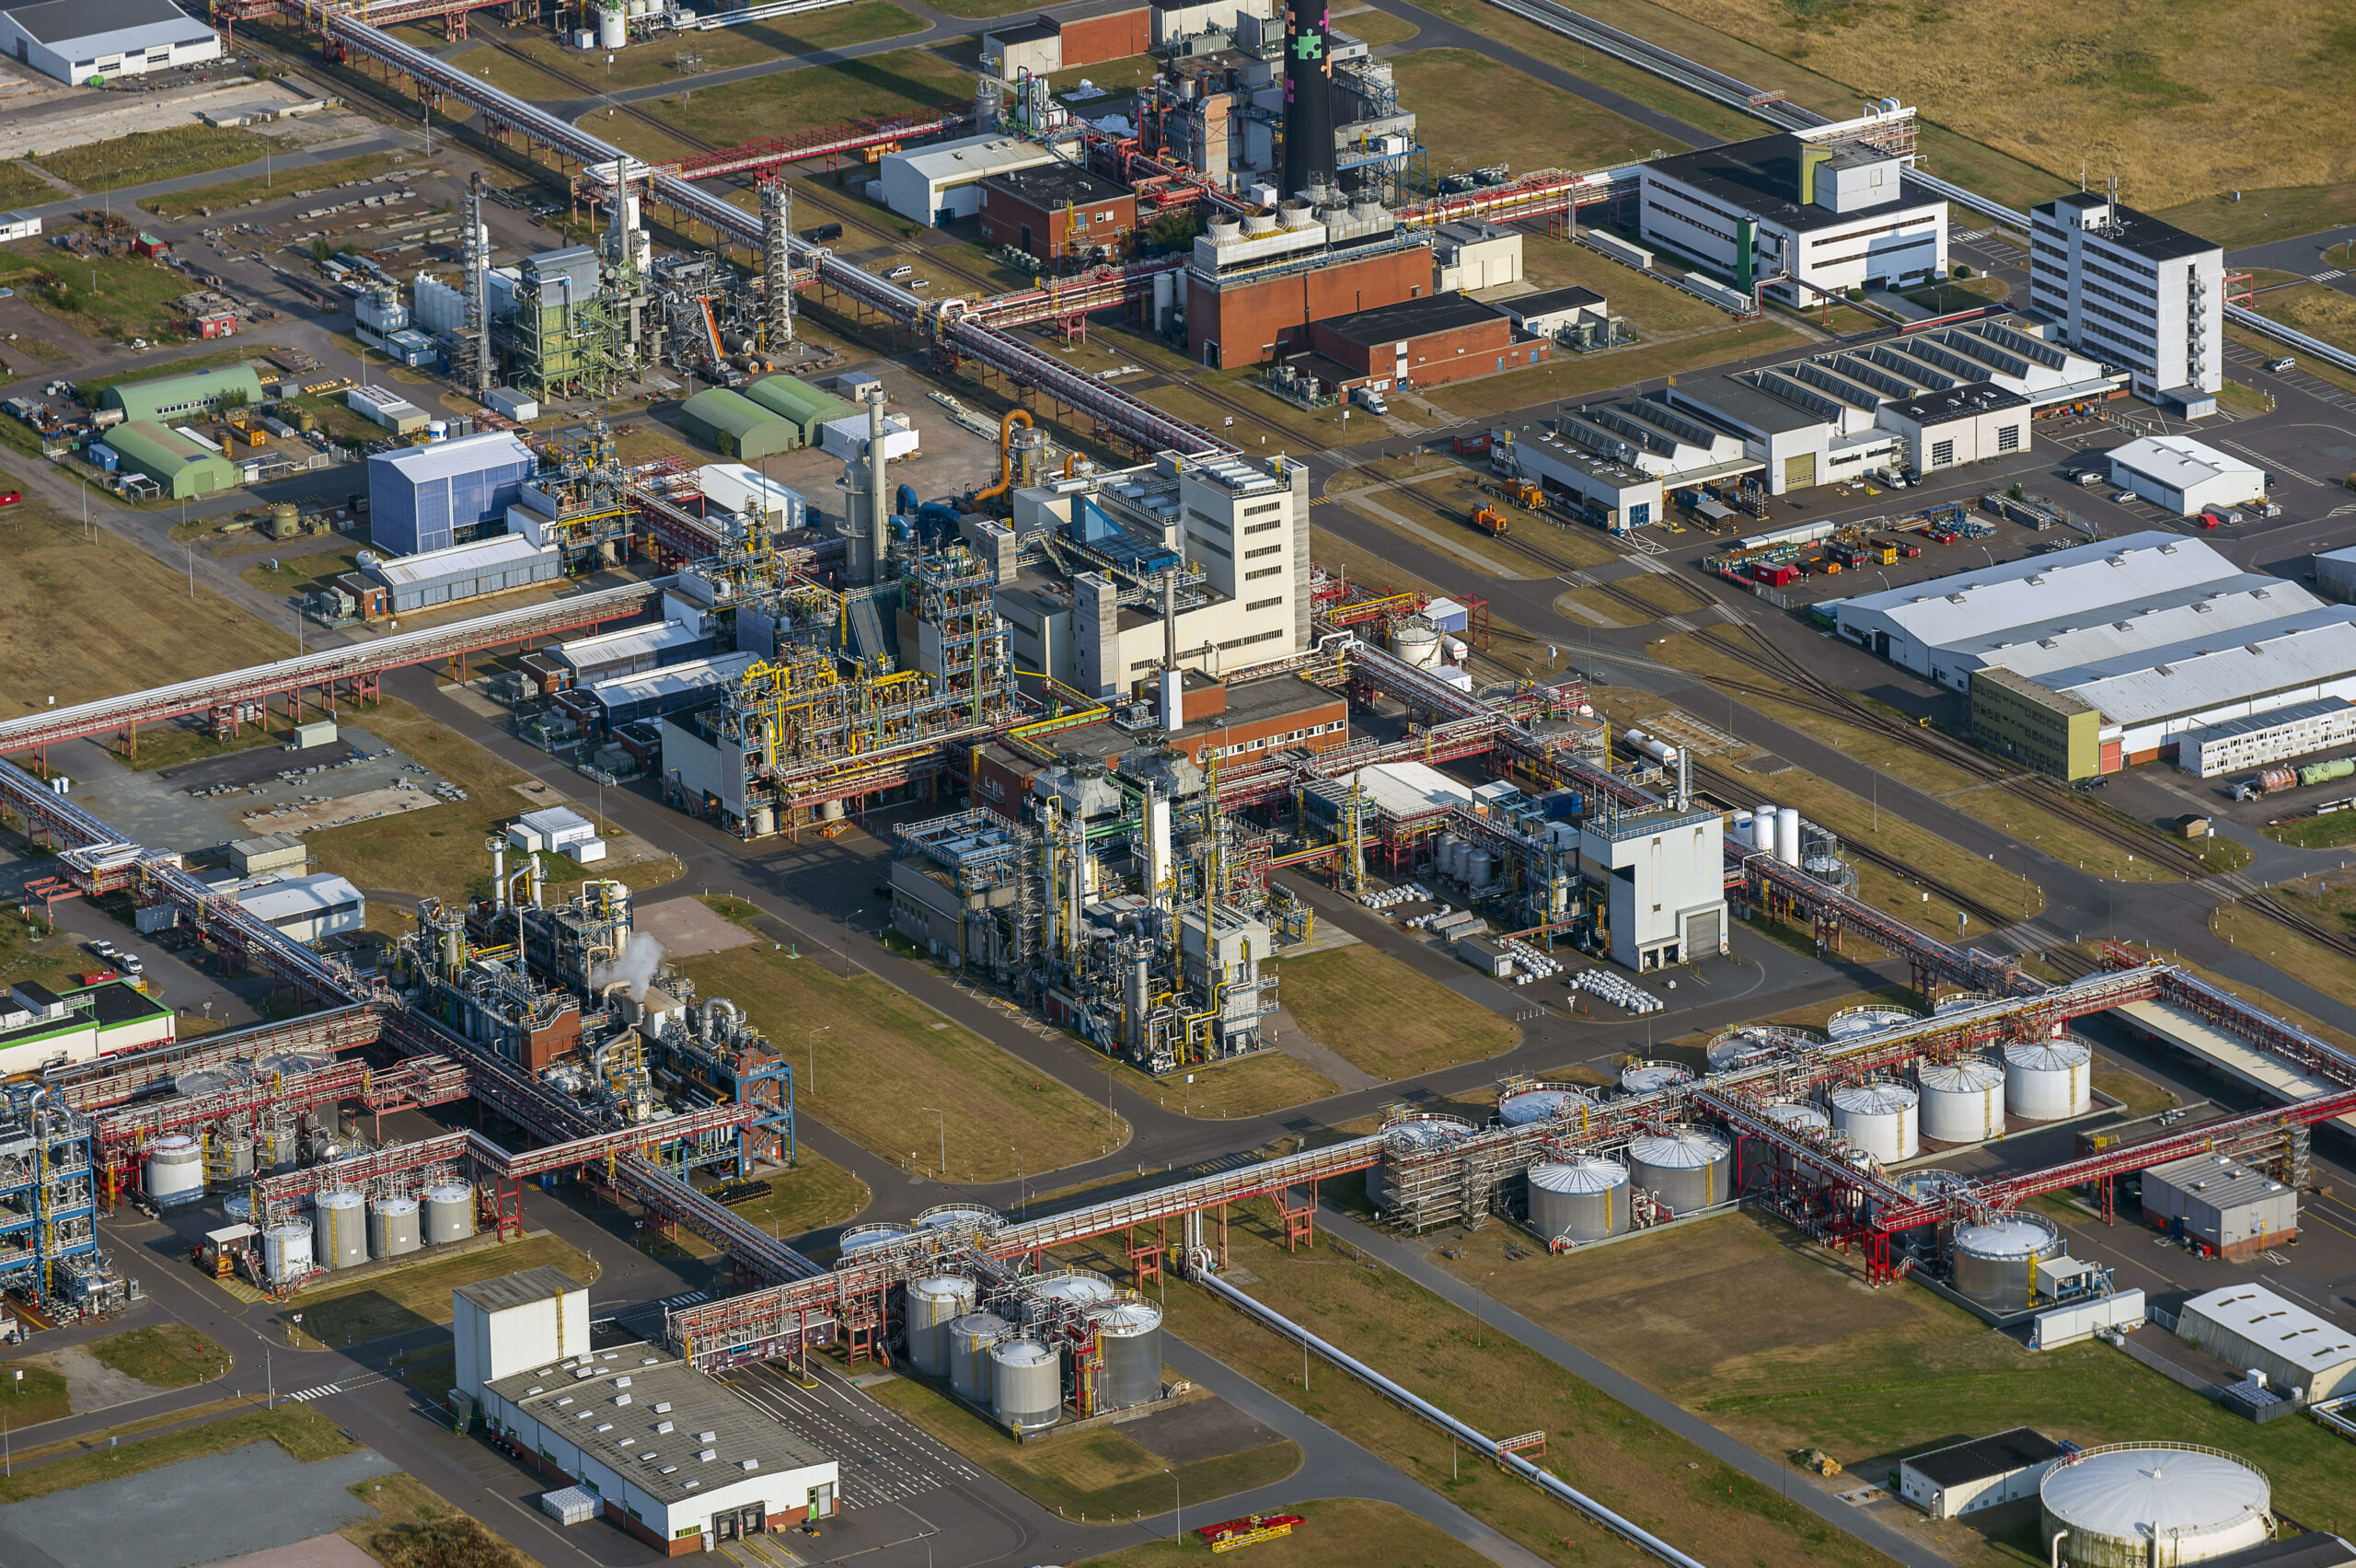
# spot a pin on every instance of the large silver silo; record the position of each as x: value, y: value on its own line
x: 1026, y: 1384
x: 339, y: 1230
x: 1579, y: 1200
x: 1129, y: 1340
x: 970, y: 1338
x: 449, y: 1213
x: 393, y: 1231
x: 1686, y: 1168
x: 933, y: 1305
x: 1995, y: 1262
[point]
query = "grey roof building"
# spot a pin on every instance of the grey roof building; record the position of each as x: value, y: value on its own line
x: 83, y: 41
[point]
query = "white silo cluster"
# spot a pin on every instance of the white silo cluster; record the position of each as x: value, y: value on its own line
x: 1770, y: 829
x: 1385, y: 898
x: 1462, y: 861
x: 1963, y: 1102
x: 1617, y: 989
x: 350, y: 1227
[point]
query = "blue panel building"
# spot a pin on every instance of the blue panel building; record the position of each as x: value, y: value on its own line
x: 428, y: 498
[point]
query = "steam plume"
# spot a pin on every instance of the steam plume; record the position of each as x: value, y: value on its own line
x: 635, y: 968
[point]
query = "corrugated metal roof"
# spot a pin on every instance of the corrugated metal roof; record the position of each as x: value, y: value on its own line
x: 2092, y: 581
x: 298, y: 897
x: 722, y: 671
x: 449, y: 460
x: 976, y: 157
x: 628, y: 643
x: 2273, y: 718
x: 2221, y: 1181
x: 2299, y: 652
x: 151, y: 447
x: 2179, y: 462
x: 2200, y: 610
x: 2277, y: 1324
x: 479, y: 556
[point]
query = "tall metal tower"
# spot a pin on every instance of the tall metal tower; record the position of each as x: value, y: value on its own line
x: 776, y: 265
x: 475, y: 366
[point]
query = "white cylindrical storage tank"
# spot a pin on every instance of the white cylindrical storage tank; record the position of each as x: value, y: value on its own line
x: 1416, y: 642
x: 1460, y: 858
x: 1963, y: 1102
x: 613, y: 27
x: 1165, y: 296
x: 953, y: 1217
x: 1763, y: 828
x: 1880, y: 1119
x: 393, y: 1227
x: 1995, y: 1260
x: 286, y: 1252
x: 1808, y: 1123
x: 238, y: 1147
x: 1579, y: 1200
x: 1739, y: 829
x: 1647, y: 1078
x: 1858, y: 1023
x: 2048, y: 1079
x: 1483, y: 870
x: 1961, y: 1001
x: 1788, y: 835
x: 933, y: 1305
x: 1076, y: 1290
x: 1521, y: 1109
x: 1686, y: 1168
x: 1027, y: 1385
x: 861, y: 1237
x: 1404, y: 1139
x: 339, y: 1230
x: 175, y: 1170
x: 1749, y: 1044
x: 970, y: 1338
x: 2154, y: 1505
x: 449, y: 1213
x: 1129, y: 1339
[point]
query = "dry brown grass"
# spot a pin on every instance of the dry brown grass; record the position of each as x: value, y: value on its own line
x: 2316, y: 310
x: 1472, y: 113
x: 1386, y: 1016
x: 2180, y: 101
x: 1340, y: 1532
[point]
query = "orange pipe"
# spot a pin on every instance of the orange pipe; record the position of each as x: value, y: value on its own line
x: 1005, y: 453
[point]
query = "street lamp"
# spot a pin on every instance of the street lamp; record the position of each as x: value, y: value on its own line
x: 944, y: 1139
x: 1178, y: 1511
x: 812, y: 1044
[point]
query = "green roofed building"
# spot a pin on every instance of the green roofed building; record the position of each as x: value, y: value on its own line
x: 185, y: 469
x: 738, y: 426
x: 803, y: 403
x: 188, y: 397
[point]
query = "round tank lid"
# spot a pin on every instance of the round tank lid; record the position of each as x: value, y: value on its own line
x: 1125, y: 1317
x: 289, y: 1232
x: 2133, y: 1494
x: 1021, y: 1352
x: 979, y: 1323
x: 871, y: 1236
x: 453, y: 1193
x: 1794, y: 1114
x: 1928, y: 1183
x: 1874, y: 1098
x: 2049, y: 1056
x: 172, y: 1144
x: 1861, y: 1021
x: 1540, y: 1105
x: 1427, y: 1132
x: 1686, y: 1148
x: 1650, y: 1075
x: 1959, y: 1003
x: 342, y: 1200
x: 2015, y: 1236
x: 1078, y: 1288
x: 397, y: 1205
x: 1973, y: 1076
x: 944, y: 1285
x: 1579, y: 1176
x: 933, y: 1219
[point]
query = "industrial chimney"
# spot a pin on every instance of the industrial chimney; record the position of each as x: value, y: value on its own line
x: 1308, y: 98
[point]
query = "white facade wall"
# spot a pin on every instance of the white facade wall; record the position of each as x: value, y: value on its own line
x: 2163, y: 320
x: 1666, y: 887
x: 491, y: 1345
x: 1947, y: 443
x: 127, y: 51
x: 2207, y: 756
x: 1895, y: 243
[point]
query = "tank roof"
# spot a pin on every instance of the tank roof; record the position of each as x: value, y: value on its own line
x: 1579, y: 1176
x: 2015, y: 1236
x: 2130, y: 1492
x: 2050, y: 1055
x: 1680, y: 1147
x: 1874, y: 1098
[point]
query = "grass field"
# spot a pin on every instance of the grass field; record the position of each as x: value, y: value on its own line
x: 39, y: 1395
x: 728, y: 49
x: 2139, y: 1094
x: 1252, y: 1087
x: 147, y: 155
x: 170, y: 1356
x: 1499, y: 1386
x: 419, y: 1296
x: 1785, y: 1347
x: 2179, y: 102
x: 2261, y: 216
x: 47, y: 959
x: 1702, y: 113
x: 2301, y: 958
x: 1651, y: 306
x: 280, y: 182
x: 1584, y: 374
x: 1472, y: 111
x: 19, y: 187
x: 813, y: 1194
x: 1097, y: 1475
x: 416, y: 1527
x: 300, y: 1430
x: 122, y: 296
x: 1381, y: 1014
x: 884, y: 1060
x: 1373, y: 28
x: 1443, y: 515
x: 780, y: 105
x: 2314, y: 310
x: 1339, y: 1532
x: 75, y: 617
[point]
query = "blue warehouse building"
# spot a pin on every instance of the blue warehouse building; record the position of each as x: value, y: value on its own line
x: 430, y: 498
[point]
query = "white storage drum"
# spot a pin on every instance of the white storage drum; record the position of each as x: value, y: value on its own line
x: 2046, y: 1081
x: 1963, y: 1102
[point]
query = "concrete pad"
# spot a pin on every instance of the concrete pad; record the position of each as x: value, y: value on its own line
x: 255, y: 1498
x: 342, y: 811
x: 319, y: 1551
x: 686, y: 927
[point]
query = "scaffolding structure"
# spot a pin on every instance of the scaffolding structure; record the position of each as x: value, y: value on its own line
x: 48, y: 1195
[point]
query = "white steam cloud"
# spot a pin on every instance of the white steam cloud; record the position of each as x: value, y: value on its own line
x: 635, y: 968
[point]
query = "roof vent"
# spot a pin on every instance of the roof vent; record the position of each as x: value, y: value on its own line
x: 621, y: 1398
x: 752, y: 1464
x: 2036, y: 578
x: 2163, y: 669
x: 530, y: 1391
x: 621, y: 1382
x: 690, y: 1485
x: 603, y: 1427
x: 707, y: 1436
x: 662, y: 1407
x: 2167, y: 549
x: 667, y: 1470
x: 707, y: 1455
x: 662, y: 1426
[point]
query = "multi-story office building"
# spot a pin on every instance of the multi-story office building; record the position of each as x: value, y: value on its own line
x: 2125, y: 288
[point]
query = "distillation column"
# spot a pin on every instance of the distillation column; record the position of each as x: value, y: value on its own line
x: 776, y: 266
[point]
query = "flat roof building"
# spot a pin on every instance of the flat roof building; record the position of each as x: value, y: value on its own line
x: 1985, y: 1472
x: 1548, y: 311
x: 1057, y: 212
x: 2229, y: 1207
x: 496, y: 565
x: 2184, y: 475
x: 307, y: 909
x: 2134, y: 292
x: 2250, y: 1326
x: 1425, y: 343
x: 939, y: 184
x: 40, y: 1027
x: 430, y: 498
x: 86, y: 41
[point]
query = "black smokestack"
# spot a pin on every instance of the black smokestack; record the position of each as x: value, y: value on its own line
x: 1309, y: 96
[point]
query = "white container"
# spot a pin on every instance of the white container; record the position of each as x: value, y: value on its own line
x: 2046, y: 1081
x: 613, y: 27
x: 1963, y: 1102
x: 339, y: 1230
x: 1763, y: 828
x: 2152, y: 1507
x: 175, y: 1170
x: 1880, y: 1119
x: 933, y: 1305
x: 286, y: 1252
x: 449, y: 1214
x: 1788, y: 835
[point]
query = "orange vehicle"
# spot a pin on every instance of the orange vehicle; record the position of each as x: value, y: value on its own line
x: 1491, y: 522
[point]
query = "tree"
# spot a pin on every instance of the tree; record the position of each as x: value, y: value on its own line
x: 1962, y: 270
x: 1175, y: 229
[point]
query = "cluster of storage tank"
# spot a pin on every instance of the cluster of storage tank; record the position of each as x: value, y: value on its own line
x: 349, y: 1228
x: 1462, y: 860
x: 1011, y: 1361
x: 1676, y: 1172
x: 1770, y: 830
x: 175, y: 1170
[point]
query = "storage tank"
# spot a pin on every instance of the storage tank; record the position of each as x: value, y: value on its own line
x: 954, y: 1216
x: 1525, y: 1106
x: 1129, y: 1339
x: 613, y: 27
x: 2324, y: 772
x: 1686, y: 1168
x: 1995, y: 1260
x: 1482, y: 871
x: 1788, y: 835
x: 1800, y: 1117
x: 286, y: 1252
x: 449, y: 1213
x: 1963, y: 1102
x: 393, y: 1229
x: 237, y: 1156
x: 2152, y: 1505
x: 970, y: 1338
x: 1027, y: 1385
x: 1417, y: 642
x: 933, y: 1305
x: 1961, y: 1002
x: 2048, y: 1079
x: 1858, y: 1023
x: 1879, y: 1119
x: 175, y: 1170
x: 339, y: 1230
x: 1647, y: 1078
x: 1580, y: 1200
x: 1763, y: 828
x: 1749, y: 1044
x: 861, y: 1237
x: 1077, y: 1290
x: 1404, y: 1138
x: 1739, y: 829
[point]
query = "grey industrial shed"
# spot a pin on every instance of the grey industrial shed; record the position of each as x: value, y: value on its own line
x: 2222, y: 1202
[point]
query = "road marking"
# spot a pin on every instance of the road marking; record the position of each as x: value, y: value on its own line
x: 2279, y: 466
x: 2326, y: 277
x: 322, y: 1391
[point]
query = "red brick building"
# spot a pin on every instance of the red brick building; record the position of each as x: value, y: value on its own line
x: 1045, y: 45
x: 1425, y: 343
x: 1059, y: 214
x: 1252, y: 320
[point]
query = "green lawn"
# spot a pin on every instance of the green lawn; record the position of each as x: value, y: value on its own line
x: 2314, y: 310
x: 300, y: 1430
x: 780, y: 105
x: 1472, y: 112
x: 726, y: 49
x: 1386, y: 1016
x: 1588, y: 374
x: 2262, y: 216
x: 170, y: 1356
x: 815, y: 1194
x: 144, y: 156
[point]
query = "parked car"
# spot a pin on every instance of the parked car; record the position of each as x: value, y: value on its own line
x: 2279, y: 366
x: 132, y: 965
x: 10, y: 498
x: 102, y: 948
x: 2124, y: 497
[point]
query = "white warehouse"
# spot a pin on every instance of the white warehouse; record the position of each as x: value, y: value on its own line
x: 942, y: 182
x: 2184, y: 475
x: 81, y: 42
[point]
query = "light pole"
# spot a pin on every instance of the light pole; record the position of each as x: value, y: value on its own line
x: 7, y: 1446
x: 1021, y: 1198
x: 943, y: 1116
x: 812, y: 1045
x: 1178, y: 1511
